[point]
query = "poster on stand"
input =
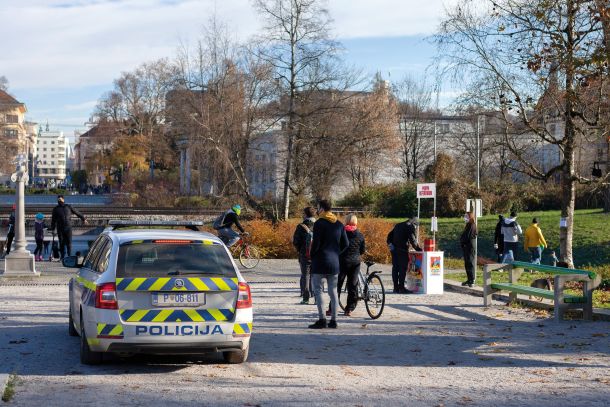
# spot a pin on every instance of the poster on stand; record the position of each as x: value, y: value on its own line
x: 415, y: 278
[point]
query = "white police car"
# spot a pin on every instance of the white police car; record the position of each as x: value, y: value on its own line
x: 159, y: 291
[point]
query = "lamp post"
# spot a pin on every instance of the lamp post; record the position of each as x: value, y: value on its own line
x: 20, y: 261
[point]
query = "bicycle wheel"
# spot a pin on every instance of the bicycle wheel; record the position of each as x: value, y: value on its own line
x: 249, y: 256
x: 374, y: 296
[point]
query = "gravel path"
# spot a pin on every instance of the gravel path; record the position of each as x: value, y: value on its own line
x: 425, y: 350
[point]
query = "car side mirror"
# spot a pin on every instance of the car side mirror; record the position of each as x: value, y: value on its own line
x: 71, y: 262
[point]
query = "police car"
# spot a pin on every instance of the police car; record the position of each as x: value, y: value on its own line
x: 159, y: 291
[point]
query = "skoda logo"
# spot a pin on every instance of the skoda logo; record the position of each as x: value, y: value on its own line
x: 179, y: 283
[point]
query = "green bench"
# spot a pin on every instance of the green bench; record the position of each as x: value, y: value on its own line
x: 562, y: 301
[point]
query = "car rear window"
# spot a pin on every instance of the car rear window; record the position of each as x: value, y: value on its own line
x: 162, y: 258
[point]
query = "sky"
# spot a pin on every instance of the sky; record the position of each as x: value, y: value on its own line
x: 61, y: 56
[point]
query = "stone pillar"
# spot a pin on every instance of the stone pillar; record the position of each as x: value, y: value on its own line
x: 20, y: 262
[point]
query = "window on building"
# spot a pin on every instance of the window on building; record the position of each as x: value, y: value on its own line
x: 12, y: 118
x: 10, y: 132
x: 44, y: 156
x: 258, y: 177
x: 445, y: 127
x: 52, y: 155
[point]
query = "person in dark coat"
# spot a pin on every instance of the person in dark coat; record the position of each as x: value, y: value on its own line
x: 329, y: 241
x: 11, y: 231
x: 468, y: 242
x: 61, y: 219
x: 302, y: 241
x: 399, y: 239
x: 39, y: 227
x: 350, y: 263
x: 499, y: 238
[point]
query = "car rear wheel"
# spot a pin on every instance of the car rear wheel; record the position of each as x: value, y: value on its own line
x: 87, y: 356
x: 71, y: 330
x: 234, y: 357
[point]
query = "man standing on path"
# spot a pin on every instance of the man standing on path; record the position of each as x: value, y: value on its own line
x: 329, y: 240
x: 534, y: 242
x: 60, y: 218
x: 399, y: 239
x: 11, y: 231
x: 302, y: 241
x: 499, y: 238
x: 511, y: 231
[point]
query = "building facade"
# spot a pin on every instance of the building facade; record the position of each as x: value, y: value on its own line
x: 50, y: 168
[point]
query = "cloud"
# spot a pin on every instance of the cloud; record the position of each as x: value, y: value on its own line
x: 87, y: 42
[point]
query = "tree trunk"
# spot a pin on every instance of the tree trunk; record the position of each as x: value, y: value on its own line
x: 568, y: 180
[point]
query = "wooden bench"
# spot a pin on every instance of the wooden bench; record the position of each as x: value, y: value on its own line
x: 562, y: 301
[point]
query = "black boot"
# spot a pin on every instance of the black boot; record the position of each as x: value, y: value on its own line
x: 319, y: 324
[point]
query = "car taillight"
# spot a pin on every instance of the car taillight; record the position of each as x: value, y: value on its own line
x: 244, y: 299
x: 105, y: 296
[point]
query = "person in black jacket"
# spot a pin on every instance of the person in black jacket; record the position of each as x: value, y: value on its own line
x: 61, y: 219
x: 225, y: 229
x: 499, y: 238
x: 329, y: 241
x: 350, y: 262
x: 468, y: 242
x: 399, y: 239
x: 11, y: 231
x: 302, y: 241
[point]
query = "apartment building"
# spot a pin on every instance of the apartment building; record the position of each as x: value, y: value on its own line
x: 50, y: 168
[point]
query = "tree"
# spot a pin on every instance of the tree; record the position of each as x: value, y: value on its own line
x: 416, y: 126
x: 296, y: 42
x: 542, y: 55
x: 137, y: 105
x: 221, y: 106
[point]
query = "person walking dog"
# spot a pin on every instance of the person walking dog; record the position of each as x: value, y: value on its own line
x: 533, y: 241
x: 61, y: 219
x: 329, y: 241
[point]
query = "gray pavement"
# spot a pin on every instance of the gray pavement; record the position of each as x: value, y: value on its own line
x: 424, y: 351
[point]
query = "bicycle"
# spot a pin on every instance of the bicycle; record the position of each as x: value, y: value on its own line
x: 248, y: 255
x: 370, y: 289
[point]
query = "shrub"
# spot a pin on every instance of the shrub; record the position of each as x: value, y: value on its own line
x: 388, y: 200
x: 191, y: 202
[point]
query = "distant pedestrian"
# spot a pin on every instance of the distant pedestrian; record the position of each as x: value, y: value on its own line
x: 468, y: 242
x: 329, y: 240
x: 499, y: 238
x: 61, y: 219
x: 399, y: 239
x: 350, y: 263
x: 302, y: 241
x: 533, y: 241
x: 510, y: 231
x: 39, y: 227
x: 11, y: 230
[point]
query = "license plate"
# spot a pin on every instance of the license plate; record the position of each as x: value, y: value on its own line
x: 178, y: 299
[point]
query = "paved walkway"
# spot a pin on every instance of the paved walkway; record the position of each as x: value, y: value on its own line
x: 425, y: 350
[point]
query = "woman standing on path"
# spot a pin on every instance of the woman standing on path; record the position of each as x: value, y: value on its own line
x: 468, y: 241
x: 350, y: 262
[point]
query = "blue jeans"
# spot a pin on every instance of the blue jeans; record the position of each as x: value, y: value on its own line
x: 229, y: 236
x: 536, y: 253
x: 317, y: 281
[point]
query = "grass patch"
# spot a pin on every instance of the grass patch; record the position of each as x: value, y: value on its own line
x: 601, y: 298
x: 591, y: 242
x: 9, y: 390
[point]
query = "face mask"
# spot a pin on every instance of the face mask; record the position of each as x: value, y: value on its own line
x: 466, y: 218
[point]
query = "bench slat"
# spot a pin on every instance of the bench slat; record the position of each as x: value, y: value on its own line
x: 552, y: 270
x: 537, y: 292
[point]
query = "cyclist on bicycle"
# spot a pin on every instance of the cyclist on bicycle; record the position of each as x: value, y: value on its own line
x: 224, y: 225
